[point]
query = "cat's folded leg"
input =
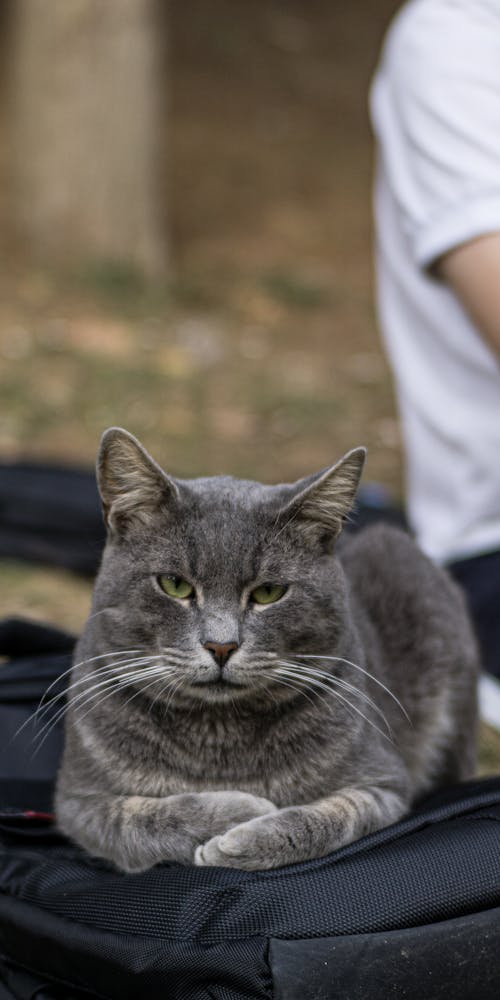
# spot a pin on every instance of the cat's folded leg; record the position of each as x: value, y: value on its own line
x: 299, y: 833
x: 136, y: 832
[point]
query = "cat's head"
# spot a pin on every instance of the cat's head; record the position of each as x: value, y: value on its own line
x: 217, y: 582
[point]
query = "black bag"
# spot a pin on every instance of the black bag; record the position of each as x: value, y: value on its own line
x: 412, y: 911
x: 50, y: 514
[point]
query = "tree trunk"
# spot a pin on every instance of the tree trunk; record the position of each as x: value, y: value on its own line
x: 87, y: 99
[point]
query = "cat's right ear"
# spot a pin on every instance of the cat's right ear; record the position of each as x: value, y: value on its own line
x: 132, y: 485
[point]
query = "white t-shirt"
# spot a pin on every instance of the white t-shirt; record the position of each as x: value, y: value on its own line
x: 436, y: 114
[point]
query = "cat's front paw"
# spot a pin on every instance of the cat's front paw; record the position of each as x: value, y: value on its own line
x: 223, y: 810
x: 255, y: 845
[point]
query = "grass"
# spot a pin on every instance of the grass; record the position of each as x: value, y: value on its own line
x: 489, y: 750
x: 292, y: 290
x: 44, y: 594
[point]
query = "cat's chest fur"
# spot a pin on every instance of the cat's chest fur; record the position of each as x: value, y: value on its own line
x: 289, y: 761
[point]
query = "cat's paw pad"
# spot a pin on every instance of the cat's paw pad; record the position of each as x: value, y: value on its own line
x: 249, y: 846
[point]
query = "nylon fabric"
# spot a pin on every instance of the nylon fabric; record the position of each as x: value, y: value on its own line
x: 123, y: 967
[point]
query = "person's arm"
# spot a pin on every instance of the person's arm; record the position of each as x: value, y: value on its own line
x: 473, y: 272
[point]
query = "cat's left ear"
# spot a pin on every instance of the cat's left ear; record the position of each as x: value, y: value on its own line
x: 320, y: 508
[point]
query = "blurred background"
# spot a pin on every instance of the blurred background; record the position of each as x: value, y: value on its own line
x: 187, y: 242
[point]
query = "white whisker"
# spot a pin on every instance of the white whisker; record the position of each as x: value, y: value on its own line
x: 142, y: 690
x: 58, y: 679
x: 342, y: 659
x: 314, y: 681
x: 40, y: 711
x: 110, y: 684
x: 304, y: 681
x: 343, y: 684
x: 175, y: 687
x: 96, y: 672
x: 293, y: 687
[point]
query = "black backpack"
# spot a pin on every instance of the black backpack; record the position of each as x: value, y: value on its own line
x: 412, y: 911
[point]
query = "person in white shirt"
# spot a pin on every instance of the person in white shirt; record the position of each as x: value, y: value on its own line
x: 435, y: 105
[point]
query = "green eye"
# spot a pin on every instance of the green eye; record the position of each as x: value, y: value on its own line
x: 174, y: 586
x: 267, y: 593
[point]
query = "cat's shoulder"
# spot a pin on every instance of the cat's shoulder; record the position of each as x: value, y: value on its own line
x: 386, y: 552
x: 380, y: 541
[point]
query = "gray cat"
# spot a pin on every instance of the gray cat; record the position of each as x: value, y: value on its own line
x: 249, y: 691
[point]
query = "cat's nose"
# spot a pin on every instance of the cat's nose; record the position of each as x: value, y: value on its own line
x: 221, y: 651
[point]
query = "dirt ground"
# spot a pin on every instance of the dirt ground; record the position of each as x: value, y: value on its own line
x: 262, y: 356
